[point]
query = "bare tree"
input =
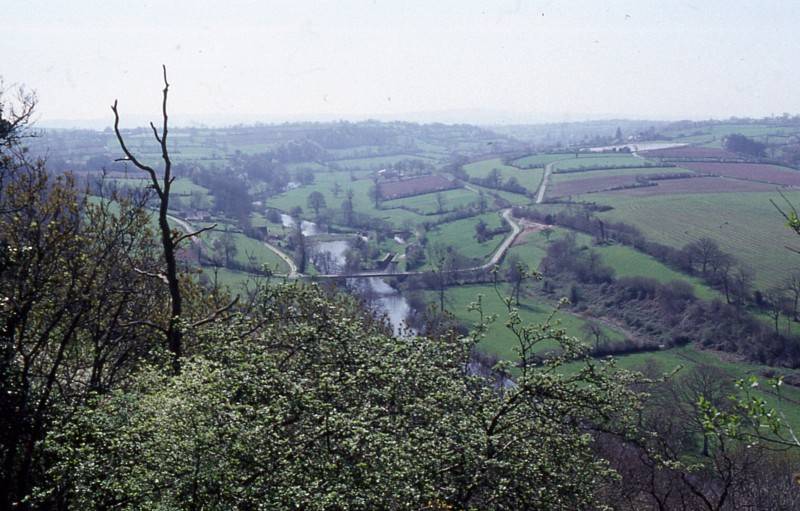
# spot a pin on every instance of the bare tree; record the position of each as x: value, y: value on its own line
x: 15, y: 115
x: 703, y: 252
x: 792, y: 285
x: 441, y: 260
x: 161, y: 184
x: 593, y: 329
x: 777, y: 302
x: 440, y: 201
x: 516, y: 273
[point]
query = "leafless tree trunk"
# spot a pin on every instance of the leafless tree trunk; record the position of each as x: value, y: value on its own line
x: 169, y: 239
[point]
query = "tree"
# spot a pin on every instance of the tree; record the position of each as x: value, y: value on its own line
x: 316, y: 201
x: 723, y: 268
x: 516, y: 273
x: 441, y: 259
x: 375, y: 194
x: 494, y: 179
x: 225, y: 245
x: 305, y: 176
x: 594, y: 330
x: 739, y: 143
x: 792, y: 285
x: 347, y: 208
x: 742, y: 283
x: 481, y: 231
x: 352, y: 261
x: 170, y: 240
x: 15, y: 117
x: 703, y: 252
x: 271, y: 411
x: 336, y: 189
x: 482, y: 202
x: 274, y: 216
x: 777, y: 302
x: 198, y: 200
x: 79, y: 303
x: 440, y: 202
x: 547, y: 232
x: 82, y: 301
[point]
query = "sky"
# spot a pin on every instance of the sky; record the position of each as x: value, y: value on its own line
x: 436, y: 60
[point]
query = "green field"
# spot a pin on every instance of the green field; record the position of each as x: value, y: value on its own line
x: 377, y: 162
x: 529, y: 178
x: 626, y: 261
x: 629, y: 262
x: 324, y: 182
x: 461, y: 236
x: 428, y: 202
x: 598, y: 160
x: 185, y: 186
x: 745, y: 225
x: 515, y: 199
x: 687, y: 357
x: 250, y: 252
x: 500, y: 340
x: 540, y: 160
x: 362, y: 203
x: 562, y: 177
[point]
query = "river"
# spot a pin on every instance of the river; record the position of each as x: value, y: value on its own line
x: 379, y: 294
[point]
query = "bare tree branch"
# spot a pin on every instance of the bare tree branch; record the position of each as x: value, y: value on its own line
x: 130, y: 157
x: 215, y: 315
x: 193, y: 234
x: 168, y: 241
x: 159, y: 276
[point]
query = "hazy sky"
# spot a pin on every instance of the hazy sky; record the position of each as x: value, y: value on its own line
x: 493, y: 60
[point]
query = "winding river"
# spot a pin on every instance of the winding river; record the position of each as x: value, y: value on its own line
x: 379, y: 294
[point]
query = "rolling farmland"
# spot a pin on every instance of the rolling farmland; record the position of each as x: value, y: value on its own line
x: 460, y: 235
x: 750, y: 171
x: 500, y: 340
x: 527, y: 177
x: 694, y: 185
x: 745, y: 225
x: 414, y: 186
x: 598, y: 160
x: 428, y: 203
x: 560, y: 177
x: 690, y: 152
x: 540, y: 160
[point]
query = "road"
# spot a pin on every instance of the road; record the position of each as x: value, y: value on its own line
x: 293, y: 273
x: 548, y: 169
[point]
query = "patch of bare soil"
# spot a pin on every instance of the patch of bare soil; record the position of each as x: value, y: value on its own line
x: 528, y: 227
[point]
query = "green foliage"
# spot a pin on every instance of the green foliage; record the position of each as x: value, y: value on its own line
x: 314, y: 405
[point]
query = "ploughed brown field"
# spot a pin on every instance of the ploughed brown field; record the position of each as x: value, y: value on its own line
x: 696, y: 185
x: 751, y: 171
x: 414, y: 186
x: 689, y: 152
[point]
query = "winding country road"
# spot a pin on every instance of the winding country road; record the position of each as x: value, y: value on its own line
x: 293, y: 273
